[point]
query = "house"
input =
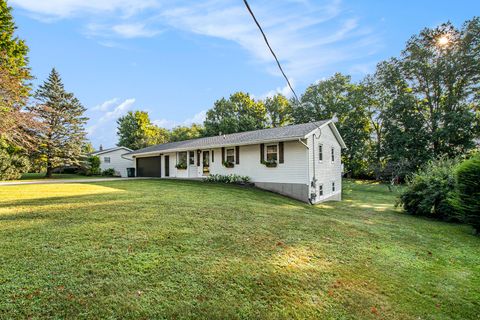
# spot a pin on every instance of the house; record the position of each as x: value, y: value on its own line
x: 300, y: 161
x: 115, y: 158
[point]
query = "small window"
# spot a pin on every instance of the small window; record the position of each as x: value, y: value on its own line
x: 272, y: 152
x: 106, y: 159
x: 320, y: 190
x: 182, y: 158
x: 333, y: 154
x: 320, y: 152
x: 191, y: 157
x: 231, y: 155
x: 333, y: 186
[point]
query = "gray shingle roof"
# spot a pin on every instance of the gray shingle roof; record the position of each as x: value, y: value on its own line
x: 258, y: 136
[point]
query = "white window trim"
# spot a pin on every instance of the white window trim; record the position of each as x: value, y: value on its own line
x: 320, y: 145
x: 266, y: 153
x: 178, y: 157
x: 234, y: 154
x: 109, y: 160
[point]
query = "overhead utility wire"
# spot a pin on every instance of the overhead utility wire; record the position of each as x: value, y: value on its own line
x: 269, y: 47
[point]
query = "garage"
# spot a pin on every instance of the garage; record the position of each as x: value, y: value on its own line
x: 149, y: 167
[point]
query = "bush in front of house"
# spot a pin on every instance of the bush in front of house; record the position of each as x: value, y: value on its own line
x: 430, y: 190
x: 110, y: 173
x: 231, y: 178
x: 467, y: 199
x: 92, y: 168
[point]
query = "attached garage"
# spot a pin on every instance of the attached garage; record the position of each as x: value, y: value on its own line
x: 149, y: 167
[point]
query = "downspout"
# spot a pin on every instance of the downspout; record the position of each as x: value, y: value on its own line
x: 313, y: 183
x: 308, y: 170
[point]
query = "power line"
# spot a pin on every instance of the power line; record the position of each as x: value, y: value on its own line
x: 269, y: 47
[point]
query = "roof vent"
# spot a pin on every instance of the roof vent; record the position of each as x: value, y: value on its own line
x: 101, y: 148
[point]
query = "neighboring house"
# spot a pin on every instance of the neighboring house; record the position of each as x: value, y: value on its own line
x: 301, y: 161
x: 115, y: 158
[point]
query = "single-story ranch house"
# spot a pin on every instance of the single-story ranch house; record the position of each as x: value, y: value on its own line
x: 300, y: 161
x: 115, y: 158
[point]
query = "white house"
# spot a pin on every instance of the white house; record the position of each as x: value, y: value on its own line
x: 115, y: 158
x: 300, y: 161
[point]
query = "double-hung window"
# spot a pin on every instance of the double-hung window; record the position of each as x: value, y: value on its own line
x: 106, y: 159
x: 231, y: 155
x: 333, y: 154
x: 320, y: 152
x: 320, y: 190
x: 191, y: 157
x: 333, y: 186
x: 272, y: 153
x: 182, y: 158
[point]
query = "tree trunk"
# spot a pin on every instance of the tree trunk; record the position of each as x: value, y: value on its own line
x: 49, y: 170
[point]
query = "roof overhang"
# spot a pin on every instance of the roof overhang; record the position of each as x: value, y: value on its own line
x: 334, y: 129
x: 110, y: 150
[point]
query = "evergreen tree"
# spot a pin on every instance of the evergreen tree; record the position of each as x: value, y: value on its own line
x: 62, y: 114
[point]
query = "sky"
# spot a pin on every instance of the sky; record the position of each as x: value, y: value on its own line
x: 175, y: 58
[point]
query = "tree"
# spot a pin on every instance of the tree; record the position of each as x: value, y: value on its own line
x: 136, y: 131
x: 338, y: 97
x: 181, y: 133
x: 279, y: 110
x: 62, y: 115
x: 442, y: 68
x: 238, y: 113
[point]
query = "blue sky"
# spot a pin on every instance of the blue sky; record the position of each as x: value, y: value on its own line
x: 175, y: 58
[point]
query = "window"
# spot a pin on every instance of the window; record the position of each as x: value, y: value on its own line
x: 106, y: 159
x: 320, y: 190
x: 333, y: 154
x: 333, y: 186
x: 191, y: 157
x: 231, y: 155
x: 320, y: 152
x: 182, y: 158
x: 272, y: 153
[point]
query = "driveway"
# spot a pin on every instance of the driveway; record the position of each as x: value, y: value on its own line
x: 67, y: 181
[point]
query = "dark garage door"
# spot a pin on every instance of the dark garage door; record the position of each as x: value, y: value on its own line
x: 149, y: 167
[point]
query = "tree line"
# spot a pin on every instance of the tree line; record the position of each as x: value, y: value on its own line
x: 416, y: 107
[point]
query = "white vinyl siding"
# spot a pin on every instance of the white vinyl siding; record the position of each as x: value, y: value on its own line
x: 116, y: 161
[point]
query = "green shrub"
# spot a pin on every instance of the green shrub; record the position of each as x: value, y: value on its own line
x: 12, y: 163
x: 467, y: 199
x: 430, y: 190
x: 231, y: 178
x: 93, y: 166
x: 109, y: 172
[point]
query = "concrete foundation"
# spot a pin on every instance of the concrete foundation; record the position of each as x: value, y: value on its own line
x: 293, y: 190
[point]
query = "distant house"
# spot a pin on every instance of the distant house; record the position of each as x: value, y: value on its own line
x: 115, y: 158
x: 300, y: 161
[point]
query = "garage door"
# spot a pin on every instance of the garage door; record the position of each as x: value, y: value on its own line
x: 149, y: 167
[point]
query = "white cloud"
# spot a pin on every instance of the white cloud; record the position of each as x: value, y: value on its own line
x: 105, y: 105
x: 282, y: 90
x: 101, y: 117
x: 68, y: 8
x: 169, y: 124
x: 134, y: 30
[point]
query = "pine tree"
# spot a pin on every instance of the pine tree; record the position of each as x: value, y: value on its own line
x: 62, y: 142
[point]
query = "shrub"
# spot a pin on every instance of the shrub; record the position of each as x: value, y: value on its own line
x: 231, y: 178
x: 270, y: 163
x: 430, y: 190
x: 181, y: 166
x: 109, y: 172
x: 467, y: 199
x: 93, y: 166
x: 12, y: 163
x: 228, y: 164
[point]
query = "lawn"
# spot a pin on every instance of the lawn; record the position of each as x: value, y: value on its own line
x: 56, y: 176
x: 184, y: 249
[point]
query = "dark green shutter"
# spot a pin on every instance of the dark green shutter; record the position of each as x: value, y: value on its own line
x: 280, y: 152
x: 198, y: 158
x: 223, y: 154
x: 213, y: 156
x: 237, y: 155
x: 262, y: 152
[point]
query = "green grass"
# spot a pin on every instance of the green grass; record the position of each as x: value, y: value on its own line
x: 56, y: 176
x: 183, y: 249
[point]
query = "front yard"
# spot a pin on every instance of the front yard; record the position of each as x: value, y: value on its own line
x: 180, y: 249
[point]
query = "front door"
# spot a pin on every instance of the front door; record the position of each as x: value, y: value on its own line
x: 206, y: 163
x: 167, y: 166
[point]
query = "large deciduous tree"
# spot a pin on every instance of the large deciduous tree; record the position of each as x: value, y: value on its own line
x: 338, y: 97
x: 279, y: 110
x: 238, y: 113
x: 442, y: 68
x: 136, y: 131
x: 181, y: 133
x: 63, y: 139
